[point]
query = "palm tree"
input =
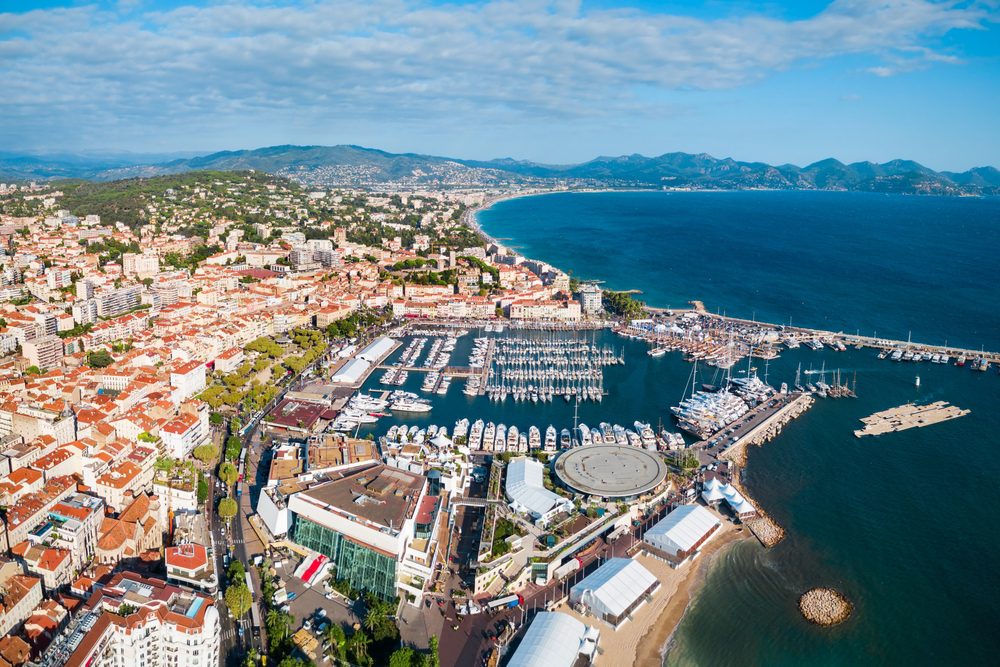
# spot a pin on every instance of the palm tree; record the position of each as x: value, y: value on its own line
x: 334, y: 634
x: 374, y: 618
x: 359, y: 643
x: 277, y: 625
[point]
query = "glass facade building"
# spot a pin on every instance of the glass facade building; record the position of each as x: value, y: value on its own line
x: 365, y: 569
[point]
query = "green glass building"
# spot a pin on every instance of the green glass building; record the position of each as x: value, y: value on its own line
x: 365, y: 569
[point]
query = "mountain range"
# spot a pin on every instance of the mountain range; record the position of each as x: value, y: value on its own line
x: 356, y: 166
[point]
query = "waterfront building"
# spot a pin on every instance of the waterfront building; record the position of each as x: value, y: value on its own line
x: 555, y: 639
x: 590, y: 299
x: 679, y: 535
x: 527, y: 493
x: 365, y: 521
x: 614, y: 590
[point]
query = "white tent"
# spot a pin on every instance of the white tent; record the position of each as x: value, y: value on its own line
x: 553, y: 639
x: 736, y: 501
x: 712, y: 491
x: 614, y: 588
x: 351, y: 372
x: 682, y: 529
x: 527, y: 492
x: 441, y: 441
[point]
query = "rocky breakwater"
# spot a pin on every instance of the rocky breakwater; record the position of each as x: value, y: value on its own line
x: 825, y: 606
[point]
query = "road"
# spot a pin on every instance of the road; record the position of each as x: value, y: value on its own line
x: 240, y: 540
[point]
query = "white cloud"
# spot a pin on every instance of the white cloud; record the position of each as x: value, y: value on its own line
x: 406, y: 61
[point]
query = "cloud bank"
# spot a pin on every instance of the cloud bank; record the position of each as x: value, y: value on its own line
x: 97, y: 72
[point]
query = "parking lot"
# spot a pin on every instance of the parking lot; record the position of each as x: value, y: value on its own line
x: 306, y: 600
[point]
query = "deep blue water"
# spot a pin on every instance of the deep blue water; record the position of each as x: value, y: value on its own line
x: 889, y: 264
x: 902, y: 523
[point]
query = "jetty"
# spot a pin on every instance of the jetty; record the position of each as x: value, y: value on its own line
x: 825, y: 606
x: 907, y: 416
x: 749, y: 433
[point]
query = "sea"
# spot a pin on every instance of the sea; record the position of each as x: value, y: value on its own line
x: 901, y: 523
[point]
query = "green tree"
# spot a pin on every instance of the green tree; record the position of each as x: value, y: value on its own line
x: 277, y: 624
x: 202, y: 488
x: 236, y: 572
x: 337, y: 639
x: 99, y: 359
x: 401, y: 657
x: 227, y: 509
x: 252, y: 658
x: 433, y: 659
x: 233, y: 447
x: 228, y: 473
x: 206, y: 453
x: 238, y: 599
x: 33, y: 370
x: 358, y: 647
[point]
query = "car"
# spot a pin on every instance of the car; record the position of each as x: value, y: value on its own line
x: 321, y: 613
x: 330, y: 596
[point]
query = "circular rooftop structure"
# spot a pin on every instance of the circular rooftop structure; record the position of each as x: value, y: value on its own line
x: 611, y: 471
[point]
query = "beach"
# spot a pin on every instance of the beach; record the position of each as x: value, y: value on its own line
x: 640, y: 641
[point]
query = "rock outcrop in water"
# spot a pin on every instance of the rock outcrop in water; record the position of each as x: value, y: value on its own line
x: 824, y: 606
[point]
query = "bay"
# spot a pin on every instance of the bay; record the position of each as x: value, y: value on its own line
x: 901, y: 523
x: 843, y: 261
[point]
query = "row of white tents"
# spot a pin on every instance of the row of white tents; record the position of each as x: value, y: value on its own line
x: 713, y: 492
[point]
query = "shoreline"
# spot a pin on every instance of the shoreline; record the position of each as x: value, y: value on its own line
x: 655, y: 643
x: 470, y: 217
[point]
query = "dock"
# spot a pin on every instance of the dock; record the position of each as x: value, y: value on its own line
x: 907, y: 416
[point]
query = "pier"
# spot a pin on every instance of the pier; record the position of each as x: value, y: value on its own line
x: 748, y: 432
x: 909, y: 416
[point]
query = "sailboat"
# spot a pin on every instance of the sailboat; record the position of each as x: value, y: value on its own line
x: 917, y: 382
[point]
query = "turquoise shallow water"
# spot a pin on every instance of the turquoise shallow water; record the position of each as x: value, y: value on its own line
x: 901, y: 523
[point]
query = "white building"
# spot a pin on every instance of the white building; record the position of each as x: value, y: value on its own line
x: 144, y: 265
x: 182, y: 434
x: 187, y: 380
x: 162, y: 626
x: 45, y: 352
x: 376, y: 525
x: 590, y: 298
x: 377, y: 349
x: 351, y: 372
x: 555, y: 639
x: 614, y: 590
x: 527, y: 493
x: 681, y: 533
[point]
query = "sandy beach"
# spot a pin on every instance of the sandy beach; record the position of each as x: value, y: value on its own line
x: 641, y: 640
x: 652, y: 644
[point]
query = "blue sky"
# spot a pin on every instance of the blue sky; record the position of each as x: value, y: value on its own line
x: 551, y: 81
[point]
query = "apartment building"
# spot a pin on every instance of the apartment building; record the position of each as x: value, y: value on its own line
x: 44, y: 352
x: 140, y: 621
